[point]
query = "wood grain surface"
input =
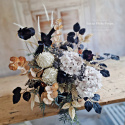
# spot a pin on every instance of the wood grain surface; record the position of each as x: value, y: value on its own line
x: 113, y: 91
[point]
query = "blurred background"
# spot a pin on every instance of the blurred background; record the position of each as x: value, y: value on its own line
x: 104, y: 19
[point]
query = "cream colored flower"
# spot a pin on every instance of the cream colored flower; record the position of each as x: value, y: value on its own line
x: 45, y: 59
x: 50, y: 76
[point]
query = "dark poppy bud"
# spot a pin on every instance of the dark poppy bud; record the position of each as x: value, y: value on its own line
x: 26, y: 33
x: 87, y: 55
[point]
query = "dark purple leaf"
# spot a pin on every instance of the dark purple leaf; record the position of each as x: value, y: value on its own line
x: 105, y: 73
x: 16, y: 98
x: 41, y: 90
x: 17, y: 90
x: 88, y: 106
x: 82, y: 31
x: 103, y: 65
x: 100, y: 58
x: 106, y: 54
x: 114, y: 57
x: 97, y: 107
x: 64, y: 47
x: 70, y: 39
x: 71, y: 34
x: 76, y: 27
x: 26, y: 96
x: 96, y: 97
x: 85, y: 98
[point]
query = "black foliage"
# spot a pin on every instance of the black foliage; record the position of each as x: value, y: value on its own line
x: 105, y: 73
x: 88, y: 105
x: 85, y: 98
x: 70, y: 45
x: 26, y: 33
x: 26, y: 96
x: 39, y: 49
x: 51, y: 32
x: 17, y: 90
x: 16, y: 98
x: 60, y: 99
x: 100, y: 58
x: 82, y: 31
x: 61, y: 77
x: 70, y: 39
x: 76, y: 40
x: 97, y: 107
x: 38, y: 83
x: 41, y: 90
x: 87, y: 55
x: 114, y: 57
x: 96, y: 97
x: 76, y: 27
x: 93, y: 63
x: 103, y: 65
x: 71, y: 34
x: 64, y: 47
x: 106, y: 54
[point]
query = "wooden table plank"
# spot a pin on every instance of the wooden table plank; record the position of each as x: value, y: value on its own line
x: 113, y: 91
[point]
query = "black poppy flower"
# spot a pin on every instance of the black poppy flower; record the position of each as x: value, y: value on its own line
x: 26, y: 33
x: 71, y: 35
x: 45, y: 40
x: 87, y: 55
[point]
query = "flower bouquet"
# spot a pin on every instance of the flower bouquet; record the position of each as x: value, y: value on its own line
x: 61, y: 73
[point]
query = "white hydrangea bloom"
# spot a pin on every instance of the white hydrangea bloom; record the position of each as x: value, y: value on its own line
x: 71, y: 62
x: 50, y: 76
x: 45, y: 59
x: 90, y: 84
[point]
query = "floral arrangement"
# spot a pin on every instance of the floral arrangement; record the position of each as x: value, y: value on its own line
x: 61, y: 73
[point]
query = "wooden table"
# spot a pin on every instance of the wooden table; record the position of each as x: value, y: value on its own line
x: 113, y: 91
